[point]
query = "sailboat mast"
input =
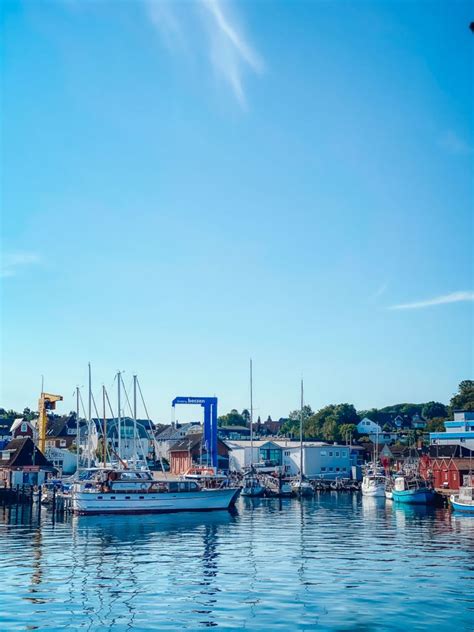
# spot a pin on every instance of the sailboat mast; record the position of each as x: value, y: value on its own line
x: 301, y: 432
x: 105, y: 427
x: 89, y: 418
x: 135, y: 421
x: 251, y: 415
x: 119, y: 421
x: 78, y: 436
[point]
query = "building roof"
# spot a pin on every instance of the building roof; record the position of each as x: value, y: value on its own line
x: 282, y: 443
x: 175, y: 433
x: 23, y: 452
x: 190, y: 442
x: 447, y: 451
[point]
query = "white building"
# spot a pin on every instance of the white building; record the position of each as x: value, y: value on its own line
x: 320, y: 460
x: 374, y: 431
x: 460, y: 431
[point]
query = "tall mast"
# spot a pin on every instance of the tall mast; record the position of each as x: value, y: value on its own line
x: 135, y: 420
x: 301, y: 432
x: 119, y: 421
x: 104, y: 451
x: 251, y: 415
x: 78, y: 433
x: 89, y: 419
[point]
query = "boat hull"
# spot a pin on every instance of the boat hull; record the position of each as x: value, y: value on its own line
x: 414, y: 496
x: 120, y: 503
x: 253, y: 492
x: 462, y: 507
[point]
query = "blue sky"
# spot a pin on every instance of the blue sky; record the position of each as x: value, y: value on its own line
x: 189, y: 184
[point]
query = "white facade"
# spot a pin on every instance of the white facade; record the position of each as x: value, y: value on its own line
x: 320, y: 460
x: 64, y: 460
x: 374, y: 431
x: 460, y: 431
x: 241, y: 457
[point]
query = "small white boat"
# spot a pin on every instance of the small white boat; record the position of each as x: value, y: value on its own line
x: 302, y: 488
x: 135, y: 491
x: 373, y: 485
x: 252, y: 487
x: 388, y: 494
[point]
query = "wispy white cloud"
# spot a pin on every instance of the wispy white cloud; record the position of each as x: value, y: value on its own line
x: 380, y: 290
x: 454, y: 144
x: 231, y: 54
x: 165, y: 20
x: 229, y: 51
x: 13, y: 260
x: 454, y: 297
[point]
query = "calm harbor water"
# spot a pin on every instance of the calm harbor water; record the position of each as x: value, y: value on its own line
x: 335, y: 562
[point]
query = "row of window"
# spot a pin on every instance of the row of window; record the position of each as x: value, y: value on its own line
x: 334, y: 469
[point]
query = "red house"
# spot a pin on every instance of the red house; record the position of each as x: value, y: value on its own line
x: 445, y: 472
x: 21, y: 429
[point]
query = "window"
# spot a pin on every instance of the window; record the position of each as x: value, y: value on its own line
x: 331, y: 469
x: 330, y: 454
x: 337, y: 453
x: 323, y: 453
x: 344, y: 469
x: 323, y: 469
x: 24, y: 427
x: 344, y: 454
x: 337, y: 469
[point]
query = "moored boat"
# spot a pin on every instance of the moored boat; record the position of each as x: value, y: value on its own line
x: 464, y: 501
x: 302, y: 488
x: 252, y: 487
x: 413, y: 490
x: 373, y: 485
x: 135, y: 491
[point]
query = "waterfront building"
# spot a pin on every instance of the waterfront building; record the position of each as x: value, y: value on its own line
x: 459, y: 431
x: 191, y: 451
x: 448, y: 466
x: 171, y: 435
x: 320, y: 460
x: 143, y: 442
x: 21, y: 463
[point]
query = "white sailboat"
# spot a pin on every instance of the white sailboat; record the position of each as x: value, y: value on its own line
x: 251, y: 484
x: 301, y: 486
x: 373, y: 483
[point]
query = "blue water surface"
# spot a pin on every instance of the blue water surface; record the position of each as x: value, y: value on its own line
x: 335, y: 562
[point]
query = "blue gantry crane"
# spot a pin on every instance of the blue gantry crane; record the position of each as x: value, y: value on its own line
x: 210, y: 422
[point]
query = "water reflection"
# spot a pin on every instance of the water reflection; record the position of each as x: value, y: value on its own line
x: 332, y: 562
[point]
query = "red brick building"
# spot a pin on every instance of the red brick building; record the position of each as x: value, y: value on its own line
x: 190, y: 452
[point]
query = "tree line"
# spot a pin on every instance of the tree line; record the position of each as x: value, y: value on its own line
x: 338, y: 422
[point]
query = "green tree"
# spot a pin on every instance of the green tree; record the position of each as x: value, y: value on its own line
x: 348, y: 432
x: 435, y: 425
x: 431, y: 410
x: 234, y: 418
x: 464, y: 398
x: 246, y: 416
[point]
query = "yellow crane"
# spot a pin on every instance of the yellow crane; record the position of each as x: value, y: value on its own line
x: 47, y: 401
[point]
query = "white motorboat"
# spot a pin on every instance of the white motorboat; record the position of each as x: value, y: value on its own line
x: 373, y: 485
x: 302, y: 488
x: 252, y: 487
x: 135, y: 491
